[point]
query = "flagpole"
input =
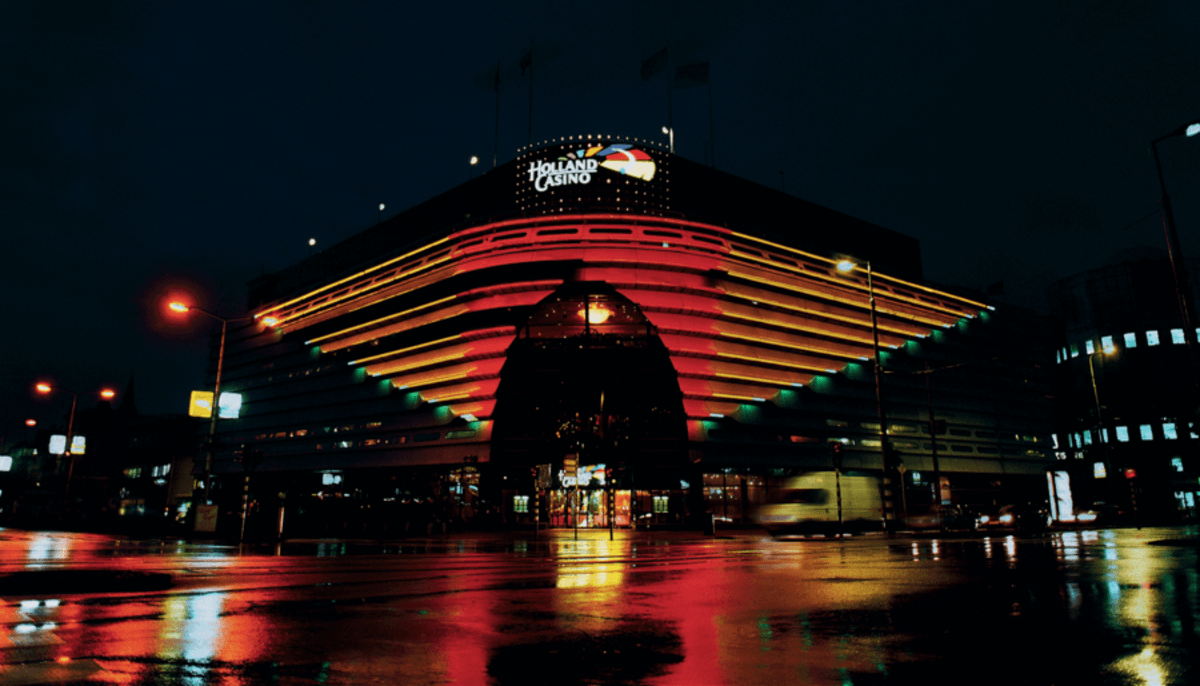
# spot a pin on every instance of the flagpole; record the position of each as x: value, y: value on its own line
x: 670, y: 87
x: 711, y: 136
x: 530, y: 91
x: 496, y: 150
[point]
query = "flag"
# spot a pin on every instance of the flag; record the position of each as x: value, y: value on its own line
x: 526, y: 62
x: 654, y: 64
x: 691, y: 75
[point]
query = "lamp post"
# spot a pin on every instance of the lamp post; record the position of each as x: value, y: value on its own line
x: 1174, y: 250
x: 1107, y: 350
x: 216, y: 401
x: 471, y: 169
x: 670, y: 137
x: 845, y: 267
x: 46, y: 389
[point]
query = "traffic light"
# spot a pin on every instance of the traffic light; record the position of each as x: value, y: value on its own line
x: 837, y: 456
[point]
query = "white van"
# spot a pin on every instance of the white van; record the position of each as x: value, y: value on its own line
x: 808, y: 504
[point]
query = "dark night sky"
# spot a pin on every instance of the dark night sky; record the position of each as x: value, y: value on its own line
x: 146, y: 146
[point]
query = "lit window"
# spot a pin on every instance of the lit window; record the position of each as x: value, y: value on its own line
x: 1098, y: 470
x: 1151, y: 338
x: 1177, y: 337
x: 1122, y: 434
x: 1057, y: 356
x: 660, y: 504
x: 1087, y: 437
x: 1089, y: 347
x: 1130, y: 340
x: 1147, y: 432
x: 1169, y: 431
x: 520, y: 503
x: 1064, y: 353
x: 1177, y: 463
x: 1077, y: 442
x: 1106, y: 343
x: 1074, y: 350
x: 330, y: 479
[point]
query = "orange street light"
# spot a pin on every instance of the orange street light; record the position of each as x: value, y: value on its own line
x: 216, y: 402
x: 45, y: 388
x: 30, y: 422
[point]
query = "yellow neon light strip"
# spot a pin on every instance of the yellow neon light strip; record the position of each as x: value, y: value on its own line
x: 355, y: 276
x: 833, y: 262
x: 827, y: 315
x: 821, y: 294
x: 761, y: 360
x: 812, y: 349
x: 405, y: 350
x: 380, y: 320
x: 418, y: 365
x: 447, y: 398
x: 738, y: 397
x: 794, y: 327
x: 353, y: 294
x: 846, y: 283
x: 435, y: 380
x: 774, y: 382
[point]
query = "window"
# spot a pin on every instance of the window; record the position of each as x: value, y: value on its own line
x: 1064, y: 354
x: 1087, y: 437
x: 1177, y: 337
x: 1130, y: 340
x: 1169, y: 431
x: 660, y: 504
x: 1098, y: 470
x: 331, y: 478
x: 1151, y: 338
x: 1076, y: 441
x: 961, y: 448
x: 1177, y: 463
x: 1147, y: 432
x: 521, y: 503
x: 1089, y: 347
x: 1123, y: 434
x: 1106, y: 343
x: 1057, y: 356
x: 1074, y: 350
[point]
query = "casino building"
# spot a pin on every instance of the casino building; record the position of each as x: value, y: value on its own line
x: 682, y: 335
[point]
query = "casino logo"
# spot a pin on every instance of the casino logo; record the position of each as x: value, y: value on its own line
x: 577, y: 167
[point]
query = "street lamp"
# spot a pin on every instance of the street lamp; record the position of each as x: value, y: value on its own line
x: 471, y: 169
x: 846, y: 266
x: 1174, y: 250
x: 47, y: 389
x: 216, y: 403
x: 1107, y: 350
x: 671, y: 137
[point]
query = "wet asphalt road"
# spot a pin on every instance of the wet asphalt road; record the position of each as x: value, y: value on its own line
x: 1078, y: 607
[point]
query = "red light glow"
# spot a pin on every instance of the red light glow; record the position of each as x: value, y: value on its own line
x: 30, y: 422
x: 178, y: 307
x: 108, y: 393
x: 44, y: 388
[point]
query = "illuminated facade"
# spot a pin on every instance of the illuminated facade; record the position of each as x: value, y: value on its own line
x: 1125, y: 380
x: 605, y: 309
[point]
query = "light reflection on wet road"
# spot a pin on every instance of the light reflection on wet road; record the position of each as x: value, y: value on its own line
x: 1094, y: 607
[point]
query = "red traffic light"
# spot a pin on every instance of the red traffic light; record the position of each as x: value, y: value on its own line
x: 1130, y: 473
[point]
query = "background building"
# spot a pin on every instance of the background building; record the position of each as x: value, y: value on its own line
x: 684, y: 335
x: 1125, y: 428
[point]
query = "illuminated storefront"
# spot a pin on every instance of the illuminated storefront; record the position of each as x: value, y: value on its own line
x: 692, y: 360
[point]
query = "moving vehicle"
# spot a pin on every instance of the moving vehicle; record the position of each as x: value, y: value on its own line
x: 808, y: 504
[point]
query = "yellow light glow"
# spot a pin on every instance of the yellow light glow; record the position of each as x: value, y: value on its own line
x: 178, y: 307
x: 43, y: 388
x: 270, y: 321
x: 845, y: 266
x: 108, y: 393
x: 856, y: 303
x: 597, y: 313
